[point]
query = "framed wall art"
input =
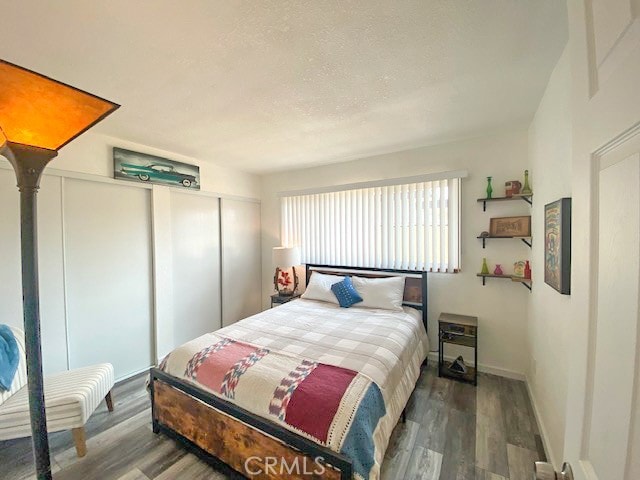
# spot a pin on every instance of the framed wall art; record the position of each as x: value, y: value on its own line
x: 141, y: 167
x: 557, y: 245
x: 510, y: 227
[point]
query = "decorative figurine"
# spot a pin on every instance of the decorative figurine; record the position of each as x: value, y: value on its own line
x: 526, y: 189
x: 498, y: 270
x: 527, y: 270
x: 458, y: 366
x: 284, y: 280
x: 512, y: 188
x: 518, y: 269
x: 484, y: 234
x: 489, y: 187
x: 485, y: 267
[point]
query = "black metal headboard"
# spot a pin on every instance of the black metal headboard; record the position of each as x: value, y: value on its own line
x: 415, y: 288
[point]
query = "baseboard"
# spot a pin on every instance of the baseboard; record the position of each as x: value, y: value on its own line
x: 501, y: 372
x: 132, y: 374
x: 541, y: 427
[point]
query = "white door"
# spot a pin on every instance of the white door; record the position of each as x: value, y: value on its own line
x: 608, y: 449
x: 108, y: 275
x: 241, y: 260
x: 602, y: 436
x: 195, y: 238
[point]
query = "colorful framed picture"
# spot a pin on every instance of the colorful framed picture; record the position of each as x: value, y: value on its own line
x: 557, y: 245
x: 140, y: 167
x: 510, y: 227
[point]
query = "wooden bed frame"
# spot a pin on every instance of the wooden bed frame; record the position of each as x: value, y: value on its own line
x: 228, y: 436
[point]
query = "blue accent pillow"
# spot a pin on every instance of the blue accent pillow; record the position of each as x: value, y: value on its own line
x: 346, y: 293
x: 9, y: 357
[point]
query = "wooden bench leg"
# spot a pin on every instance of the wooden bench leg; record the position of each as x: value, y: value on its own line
x: 109, y: 400
x: 80, y: 440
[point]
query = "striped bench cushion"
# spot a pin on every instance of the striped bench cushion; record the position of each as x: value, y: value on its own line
x: 70, y: 397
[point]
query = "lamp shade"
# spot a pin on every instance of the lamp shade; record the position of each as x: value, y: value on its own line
x: 286, y: 257
x: 40, y: 112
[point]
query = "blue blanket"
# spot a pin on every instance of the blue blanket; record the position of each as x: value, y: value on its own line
x: 9, y: 357
x: 358, y: 444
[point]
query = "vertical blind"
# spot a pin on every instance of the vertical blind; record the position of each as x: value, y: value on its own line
x: 413, y: 226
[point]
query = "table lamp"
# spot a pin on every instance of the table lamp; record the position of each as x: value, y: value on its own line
x: 38, y: 116
x: 283, y: 259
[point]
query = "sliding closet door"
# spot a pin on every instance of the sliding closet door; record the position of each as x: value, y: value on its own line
x: 109, y: 272
x: 241, y: 260
x: 51, y: 265
x: 10, y: 290
x: 52, y: 308
x: 195, y: 238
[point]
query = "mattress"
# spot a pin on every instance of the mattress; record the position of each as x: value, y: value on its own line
x: 386, y: 347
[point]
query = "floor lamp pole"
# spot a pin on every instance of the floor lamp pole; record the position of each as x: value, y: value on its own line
x: 29, y: 163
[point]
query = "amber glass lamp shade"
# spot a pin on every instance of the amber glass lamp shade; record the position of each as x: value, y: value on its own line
x: 40, y: 112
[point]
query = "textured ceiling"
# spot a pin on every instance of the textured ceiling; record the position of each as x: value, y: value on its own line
x: 269, y: 85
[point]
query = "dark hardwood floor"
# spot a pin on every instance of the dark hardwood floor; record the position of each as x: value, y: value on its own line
x: 453, y: 431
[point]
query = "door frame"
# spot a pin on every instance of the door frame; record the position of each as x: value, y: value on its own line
x: 583, y: 355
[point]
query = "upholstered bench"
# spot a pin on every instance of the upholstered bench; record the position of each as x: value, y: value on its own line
x: 70, y: 398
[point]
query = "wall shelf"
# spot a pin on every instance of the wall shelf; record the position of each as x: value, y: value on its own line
x: 524, y: 281
x: 526, y: 198
x: 526, y: 240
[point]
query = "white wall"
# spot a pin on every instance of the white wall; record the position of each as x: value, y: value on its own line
x: 586, y: 107
x: 550, y: 312
x: 501, y: 305
x: 92, y: 153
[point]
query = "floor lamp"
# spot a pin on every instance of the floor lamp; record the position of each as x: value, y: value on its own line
x: 38, y: 116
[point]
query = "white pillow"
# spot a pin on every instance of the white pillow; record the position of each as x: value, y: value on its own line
x: 319, y: 287
x: 386, y: 292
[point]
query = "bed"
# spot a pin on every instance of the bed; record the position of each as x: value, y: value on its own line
x: 345, y: 377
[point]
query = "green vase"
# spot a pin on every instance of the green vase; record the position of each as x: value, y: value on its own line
x: 485, y: 267
x: 526, y: 189
x: 489, y: 187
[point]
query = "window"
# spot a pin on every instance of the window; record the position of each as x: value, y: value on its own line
x: 412, y: 226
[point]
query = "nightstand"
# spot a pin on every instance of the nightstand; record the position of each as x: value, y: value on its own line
x: 278, y: 299
x: 458, y: 330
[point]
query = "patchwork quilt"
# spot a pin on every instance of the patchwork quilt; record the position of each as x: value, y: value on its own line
x: 346, y: 395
